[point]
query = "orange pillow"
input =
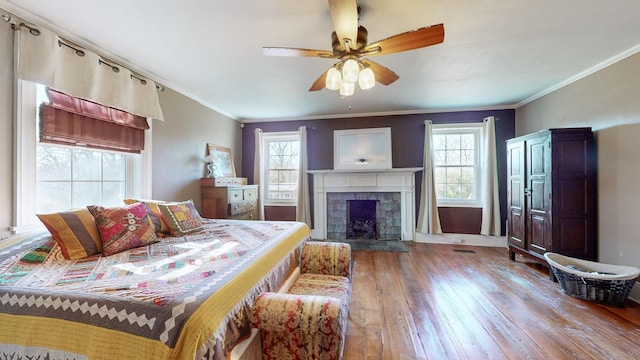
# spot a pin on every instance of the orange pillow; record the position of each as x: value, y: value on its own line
x: 75, y: 231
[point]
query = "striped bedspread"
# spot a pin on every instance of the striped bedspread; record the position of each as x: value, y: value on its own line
x: 173, y: 299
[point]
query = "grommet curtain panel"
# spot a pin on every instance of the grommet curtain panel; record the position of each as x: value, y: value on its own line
x: 303, y: 208
x: 428, y: 218
x: 55, y: 62
x: 258, y: 165
x: 490, y: 191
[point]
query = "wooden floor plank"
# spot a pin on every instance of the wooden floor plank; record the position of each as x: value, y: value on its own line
x: 425, y: 315
x: 477, y: 297
x: 397, y: 314
x: 364, y: 331
x: 436, y: 303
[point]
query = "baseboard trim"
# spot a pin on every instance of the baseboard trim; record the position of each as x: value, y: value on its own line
x: 462, y: 239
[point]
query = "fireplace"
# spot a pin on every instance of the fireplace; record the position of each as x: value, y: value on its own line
x: 361, y: 219
x: 379, y: 210
x: 393, y: 191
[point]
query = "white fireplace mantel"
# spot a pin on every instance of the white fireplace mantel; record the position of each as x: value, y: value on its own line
x: 400, y: 180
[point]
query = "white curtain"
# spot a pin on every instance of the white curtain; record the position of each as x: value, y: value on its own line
x: 428, y: 218
x: 258, y: 165
x: 55, y: 62
x: 303, y: 212
x: 489, y: 184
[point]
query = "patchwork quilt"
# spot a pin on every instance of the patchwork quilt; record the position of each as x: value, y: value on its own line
x: 174, y: 299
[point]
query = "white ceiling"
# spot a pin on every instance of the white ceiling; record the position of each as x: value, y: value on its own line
x: 496, y: 53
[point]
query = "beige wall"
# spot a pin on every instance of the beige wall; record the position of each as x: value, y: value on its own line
x: 179, y: 146
x: 609, y: 102
x: 178, y: 143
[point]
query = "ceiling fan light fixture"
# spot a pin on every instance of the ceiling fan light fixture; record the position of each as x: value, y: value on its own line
x: 349, y: 42
x: 334, y: 79
x: 350, y: 71
x: 347, y: 88
x: 367, y: 79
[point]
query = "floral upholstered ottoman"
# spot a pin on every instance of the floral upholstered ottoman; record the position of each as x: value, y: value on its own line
x: 309, y: 321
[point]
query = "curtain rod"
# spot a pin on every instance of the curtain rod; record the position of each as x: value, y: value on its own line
x: 32, y: 30
x: 15, y: 25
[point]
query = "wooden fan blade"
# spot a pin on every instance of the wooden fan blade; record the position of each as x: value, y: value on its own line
x: 344, y: 16
x: 409, y: 40
x: 282, y: 51
x: 320, y: 83
x: 383, y: 75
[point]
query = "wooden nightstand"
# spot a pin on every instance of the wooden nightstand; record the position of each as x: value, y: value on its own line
x: 229, y: 198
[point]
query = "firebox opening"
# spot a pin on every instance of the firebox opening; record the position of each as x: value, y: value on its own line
x: 361, y: 219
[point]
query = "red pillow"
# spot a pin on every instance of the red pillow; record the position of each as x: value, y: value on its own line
x: 123, y: 228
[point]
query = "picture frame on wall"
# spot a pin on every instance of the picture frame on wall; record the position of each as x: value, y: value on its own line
x: 362, y: 149
x: 220, y: 161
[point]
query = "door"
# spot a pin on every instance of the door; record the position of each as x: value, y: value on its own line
x: 538, y: 167
x: 515, y: 193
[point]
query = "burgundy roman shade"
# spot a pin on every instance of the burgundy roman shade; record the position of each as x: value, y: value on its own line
x: 72, y: 121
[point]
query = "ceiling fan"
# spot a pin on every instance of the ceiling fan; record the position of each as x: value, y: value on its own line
x: 349, y: 42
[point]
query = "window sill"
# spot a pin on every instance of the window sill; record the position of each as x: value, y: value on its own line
x: 473, y: 204
x: 281, y: 204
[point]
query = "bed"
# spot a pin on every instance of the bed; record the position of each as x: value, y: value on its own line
x: 183, y: 297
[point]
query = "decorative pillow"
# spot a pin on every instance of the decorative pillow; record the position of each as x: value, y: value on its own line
x: 182, y: 217
x: 123, y: 228
x: 154, y: 214
x: 75, y: 231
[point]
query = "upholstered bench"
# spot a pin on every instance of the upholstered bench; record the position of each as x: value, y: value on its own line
x: 308, y: 320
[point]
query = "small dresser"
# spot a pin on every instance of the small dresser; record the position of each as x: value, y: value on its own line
x: 229, y: 198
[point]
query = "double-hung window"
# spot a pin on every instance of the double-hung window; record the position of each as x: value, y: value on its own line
x: 282, y: 159
x: 69, y: 177
x: 55, y: 177
x: 456, y: 150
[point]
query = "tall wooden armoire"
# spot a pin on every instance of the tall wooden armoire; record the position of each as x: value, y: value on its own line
x: 551, y: 194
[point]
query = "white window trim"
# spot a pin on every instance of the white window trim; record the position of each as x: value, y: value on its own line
x: 266, y: 138
x: 474, y: 128
x: 25, y: 139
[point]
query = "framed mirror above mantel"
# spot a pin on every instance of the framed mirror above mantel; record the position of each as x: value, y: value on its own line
x: 362, y: 149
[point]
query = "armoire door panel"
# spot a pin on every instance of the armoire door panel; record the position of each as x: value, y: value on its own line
x: 517, y: 235
x: 515, y: 168
x: 536, y: 156
x: 515, y: 196
x: 537, y: 226
x: 537, y: 195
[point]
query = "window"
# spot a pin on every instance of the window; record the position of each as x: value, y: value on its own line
x: 282, y: 162
x: 456, y: 164
x: 71, y: 178
x: 67, y: 177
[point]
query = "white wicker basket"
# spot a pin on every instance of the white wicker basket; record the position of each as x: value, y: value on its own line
x: 593, y: 281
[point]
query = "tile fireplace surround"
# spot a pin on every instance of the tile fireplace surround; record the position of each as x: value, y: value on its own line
x: 401, y: 181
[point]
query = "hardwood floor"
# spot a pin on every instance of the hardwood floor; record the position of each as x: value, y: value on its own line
x: 437, y: 303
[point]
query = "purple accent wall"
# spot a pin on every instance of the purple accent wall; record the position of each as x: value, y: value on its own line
x: 407, y: 138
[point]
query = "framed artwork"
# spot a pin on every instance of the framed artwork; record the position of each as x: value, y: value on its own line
x: 220, y: 161
x: 362, y: 149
